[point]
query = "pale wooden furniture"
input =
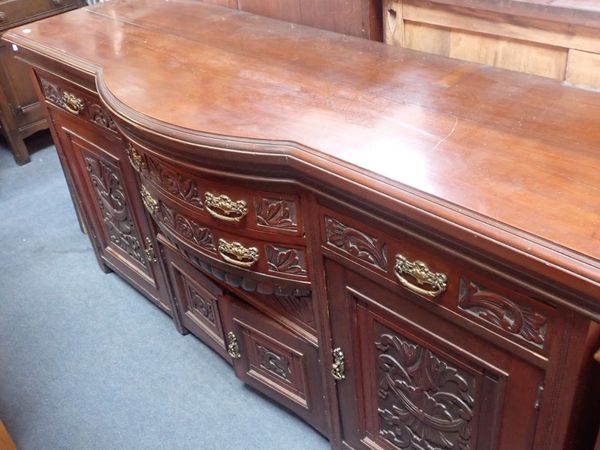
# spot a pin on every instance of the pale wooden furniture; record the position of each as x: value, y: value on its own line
x: 558, y: 40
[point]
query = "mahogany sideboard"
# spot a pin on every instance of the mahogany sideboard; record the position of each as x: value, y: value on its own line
x: 402, y: 249
x: 20, y: 112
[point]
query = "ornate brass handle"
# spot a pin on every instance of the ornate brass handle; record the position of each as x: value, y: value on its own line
x: 235, y: 253
x: 149, y: 250
x: 338, y: 371
x: 597, y: 355
x: 231, y: 211
x: 419, y: 271
x: 150, y: 202
x: 72, y: 103
x: 136, y: 160
x: 233, y: 348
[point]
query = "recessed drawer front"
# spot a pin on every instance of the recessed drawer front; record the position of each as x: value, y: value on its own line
x: 229, y: 204
x: 77, y: 101
x: 422, y: 270
x: 16, y: 11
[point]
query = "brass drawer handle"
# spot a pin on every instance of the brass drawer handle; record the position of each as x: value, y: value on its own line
x: 232, y: 211
x: 136, y: 160
x: 338, y: 371
x: 238, y: 255
x: 597, y: 355
x: 233, y: 348
x: 150, y: 202
x: 72, y: 103
x: 420, y: 271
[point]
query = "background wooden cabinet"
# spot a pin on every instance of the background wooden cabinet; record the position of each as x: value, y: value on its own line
x: 20, y: 112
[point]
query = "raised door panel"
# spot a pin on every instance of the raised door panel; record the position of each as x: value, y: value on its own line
x: 108, y: 194
x: 275, y: 361
x: 411, y: 380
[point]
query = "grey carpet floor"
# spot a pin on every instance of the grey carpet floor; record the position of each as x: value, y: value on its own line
x: 88, y: 363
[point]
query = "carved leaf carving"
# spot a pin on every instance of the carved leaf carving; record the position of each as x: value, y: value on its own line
x: 276, y: 214
x: 112, y: 201
x: 179, y: 185
x: 187, y: 228
x: 356, y: 243
x: 503, y: 313
x: 286, y: 260
x: 273, y: 362
x: 202, y: 305
x: 424, y: 402
x: 101, y: 118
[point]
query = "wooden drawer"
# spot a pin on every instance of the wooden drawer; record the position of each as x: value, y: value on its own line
x: 250, y: 255
x: 13, y: 12
x: 427, y: 272
x: 79, y: 102
x: 275, y: 361
x: 227, y: 203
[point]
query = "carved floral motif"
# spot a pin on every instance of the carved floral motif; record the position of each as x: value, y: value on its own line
x: 424, y: 402
x: 286, y: 260
x: 273, y: 362
x: 187, y: 228
x: 52, y: 93
x: 356, y: 243
x: 112, y: 201
x: 275, y: 213
x: 102, y: 118
x: 502, y: 313
x: 179, y: 185
x: 203, y: 306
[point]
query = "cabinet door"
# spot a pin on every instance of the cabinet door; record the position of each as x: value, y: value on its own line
x: 275, y: 361
x: 106, y: 188
x: 414, y: 381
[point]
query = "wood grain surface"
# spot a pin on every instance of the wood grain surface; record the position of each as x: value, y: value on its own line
x: 495, y: 151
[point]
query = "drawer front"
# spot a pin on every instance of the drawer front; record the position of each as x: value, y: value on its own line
x: 13, y: 12
x: 230, y: 204
x: 275, y: 361
x: 80, y: 103
x: 428, y: 273
x: 270, y: 259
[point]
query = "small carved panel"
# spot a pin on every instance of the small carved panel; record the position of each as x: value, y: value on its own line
x: 179, y: 185
x: 289, y: 261
x: 503, y: 313
x: 356, y: 243
x: 424, y: 402
x: 101, y: 118
x: 52, y: 92
x: 113, y: 203
x: 203, y: 307
x: 275, y: 213
x: 277, y: 364
x: 186, y: 228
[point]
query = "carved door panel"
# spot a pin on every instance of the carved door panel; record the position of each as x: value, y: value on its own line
x: 408, y: 379
x: 274, y: 361
x: 197, y: 300
x: 120, y: 232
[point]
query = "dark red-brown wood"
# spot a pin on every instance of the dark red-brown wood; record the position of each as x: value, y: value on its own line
x: 436, y: 221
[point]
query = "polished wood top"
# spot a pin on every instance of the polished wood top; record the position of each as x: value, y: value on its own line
x: 502, y: 150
